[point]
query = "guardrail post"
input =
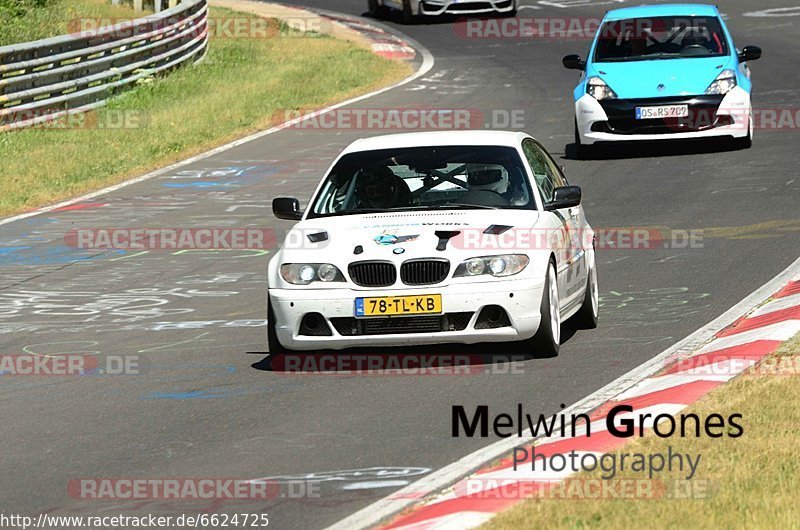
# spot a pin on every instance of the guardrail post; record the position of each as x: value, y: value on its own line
x: 157, y: 6
x: 173, y: 3
x: 137, y: 6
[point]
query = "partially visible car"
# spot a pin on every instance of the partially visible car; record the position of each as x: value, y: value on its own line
x: 663, y: 72
x: 412, y: 9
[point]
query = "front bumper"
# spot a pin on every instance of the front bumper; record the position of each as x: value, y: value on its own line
x: 464, y: 7
x: 709, y: 116
x: 521, y: 300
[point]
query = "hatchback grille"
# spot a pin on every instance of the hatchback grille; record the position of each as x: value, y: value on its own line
x: 373, y: 273
x: 424, y: 271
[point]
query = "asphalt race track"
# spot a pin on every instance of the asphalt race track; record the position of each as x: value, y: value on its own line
x: 203, y: 406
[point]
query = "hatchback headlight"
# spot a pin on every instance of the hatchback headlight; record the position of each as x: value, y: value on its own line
x: 724, y: 83
x: 499, y: 266
x: 599, y: 90
x: 305, y: 273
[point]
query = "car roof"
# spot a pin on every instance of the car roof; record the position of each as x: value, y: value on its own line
x: 663, y: 10
x: 438, y: 138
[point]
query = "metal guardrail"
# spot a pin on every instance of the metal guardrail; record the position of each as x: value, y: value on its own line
x: 49, y: 78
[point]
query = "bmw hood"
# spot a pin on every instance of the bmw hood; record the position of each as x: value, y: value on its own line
x: 454, y: 234
x: 642, y: 79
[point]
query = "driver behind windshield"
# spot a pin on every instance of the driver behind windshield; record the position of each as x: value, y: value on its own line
x: 493, y: 178
x: 379, y: 188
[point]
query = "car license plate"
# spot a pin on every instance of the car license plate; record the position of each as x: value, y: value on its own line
x: 662, y: 111
x: 399, y: 305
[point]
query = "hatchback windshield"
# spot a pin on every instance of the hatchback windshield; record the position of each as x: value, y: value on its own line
x: 641, y: 39
x: 421, y: 178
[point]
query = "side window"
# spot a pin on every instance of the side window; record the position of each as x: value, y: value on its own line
x: 546, y: 175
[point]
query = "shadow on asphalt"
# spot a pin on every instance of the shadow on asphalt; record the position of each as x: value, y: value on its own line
x: 659, y: 148
x: 441, y: 357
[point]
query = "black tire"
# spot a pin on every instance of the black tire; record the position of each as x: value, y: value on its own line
x: 275, y: 347
x: 747, y: 141
x: 543, y: 344
x: 586, y: 317
x: 513, y: 12
x: 582, y: 152
x: 407, y: 15
x: 375, y: 10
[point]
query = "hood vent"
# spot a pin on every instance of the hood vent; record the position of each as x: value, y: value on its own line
x: 496, y: 230
x: 444, y: 237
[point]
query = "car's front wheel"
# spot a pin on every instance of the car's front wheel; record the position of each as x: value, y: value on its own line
x: 582, y: 152
x: 547, y: 340
x: 586, y: 317
x: 513, y: 12
x: 375, y: 10
x: 408, y: 14
x: 747, y: 141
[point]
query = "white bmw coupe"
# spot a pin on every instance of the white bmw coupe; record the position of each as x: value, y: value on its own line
x: 436, y: 237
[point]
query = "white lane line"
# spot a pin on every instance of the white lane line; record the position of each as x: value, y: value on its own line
x: 426, y: 66
x: 387, y: 507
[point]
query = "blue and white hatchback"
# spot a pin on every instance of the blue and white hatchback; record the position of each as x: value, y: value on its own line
x: 663, y: 72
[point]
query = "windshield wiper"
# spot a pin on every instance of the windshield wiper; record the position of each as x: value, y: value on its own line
x: 467, y: 205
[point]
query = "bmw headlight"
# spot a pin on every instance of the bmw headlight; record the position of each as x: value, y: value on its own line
x: 499, y: 266
x: 724, y: 83
x: 305, y: 273
x: 598, y: 89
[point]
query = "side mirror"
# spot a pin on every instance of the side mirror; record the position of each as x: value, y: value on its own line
x: 750, y: 53
x: 565, y: 197
x: 573, y: 62
x: 287, y: 208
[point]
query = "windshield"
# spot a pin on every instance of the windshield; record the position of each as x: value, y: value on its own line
x: 642, y: 39
x: 448, y: 177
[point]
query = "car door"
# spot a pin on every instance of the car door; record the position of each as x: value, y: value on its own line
x: 570, y: 256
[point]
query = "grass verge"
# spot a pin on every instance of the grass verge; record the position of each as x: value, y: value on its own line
x: 750, y: 482
x: 28, y: 20
x: 234, y: 91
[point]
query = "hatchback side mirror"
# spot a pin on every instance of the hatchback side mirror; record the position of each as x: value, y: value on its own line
x: 287, y: 208
x: 750, y: 53
x: 573, y: 62
x: 565, y: 197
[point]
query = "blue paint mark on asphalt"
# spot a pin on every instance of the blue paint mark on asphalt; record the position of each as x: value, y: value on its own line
x: 11, y: 250
x: 195, y: 394
x: 230, y: 184
x: 58, y: 255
